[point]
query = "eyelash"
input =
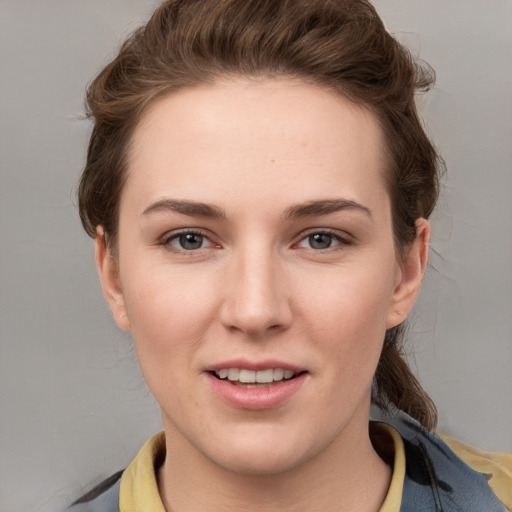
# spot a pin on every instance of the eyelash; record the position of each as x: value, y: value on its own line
x: 335, y: 236
x: 167, y: 240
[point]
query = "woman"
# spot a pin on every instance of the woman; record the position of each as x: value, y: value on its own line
x: 258, y: 185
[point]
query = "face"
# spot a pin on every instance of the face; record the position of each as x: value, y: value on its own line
x: 257, y: 270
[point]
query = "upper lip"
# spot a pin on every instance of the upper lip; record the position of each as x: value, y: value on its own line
x: 254, y: 365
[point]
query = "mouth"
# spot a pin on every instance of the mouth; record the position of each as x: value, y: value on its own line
x: 246, y: 378
x: 255, y: 386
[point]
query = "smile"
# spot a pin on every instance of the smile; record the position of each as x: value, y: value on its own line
x: 264, y: 387
x: 242, y: 376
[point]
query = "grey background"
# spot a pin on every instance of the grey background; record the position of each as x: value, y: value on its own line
x: 73, y: 407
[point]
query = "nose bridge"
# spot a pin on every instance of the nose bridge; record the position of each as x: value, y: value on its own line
x: 256, y: 299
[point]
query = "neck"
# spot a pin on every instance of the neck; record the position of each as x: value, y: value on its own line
x: 334, y: 480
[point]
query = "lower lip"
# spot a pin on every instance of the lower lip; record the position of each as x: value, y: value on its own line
x: 256, y: 399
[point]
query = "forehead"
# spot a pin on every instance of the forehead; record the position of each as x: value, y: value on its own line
x: 272, y: 137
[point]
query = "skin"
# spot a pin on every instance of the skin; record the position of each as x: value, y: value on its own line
x: 256, y: 288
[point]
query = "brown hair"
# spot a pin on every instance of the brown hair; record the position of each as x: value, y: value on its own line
x: 341, y: 45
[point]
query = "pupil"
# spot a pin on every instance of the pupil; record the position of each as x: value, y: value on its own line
x: 320, y: 241
x: 191, y: 241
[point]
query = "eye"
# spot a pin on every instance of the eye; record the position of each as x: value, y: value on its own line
x: 187, y: 241
x: 321, y: 240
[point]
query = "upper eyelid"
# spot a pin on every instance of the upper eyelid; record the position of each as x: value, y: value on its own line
x: 169, y: 236
x: 173, y: 233
x: 339, y: 234
x: 342, y: 236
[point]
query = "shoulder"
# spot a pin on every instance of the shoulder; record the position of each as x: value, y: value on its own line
x: 134, y: 488
x: 102, y: 498
x: 497, y: 467
x: 444, y: 474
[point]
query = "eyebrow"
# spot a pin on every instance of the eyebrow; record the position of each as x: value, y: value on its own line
x: 191, y: 208
x: 209, y: 211
x: 324, y: 207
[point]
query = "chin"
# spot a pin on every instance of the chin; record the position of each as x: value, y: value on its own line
x: 262, y: 463
x: 264, y: 453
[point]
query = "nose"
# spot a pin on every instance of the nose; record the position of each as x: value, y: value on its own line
x: 256, y: 299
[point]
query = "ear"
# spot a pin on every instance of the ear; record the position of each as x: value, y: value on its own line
x: 412, y: 268
x: 109, y: 277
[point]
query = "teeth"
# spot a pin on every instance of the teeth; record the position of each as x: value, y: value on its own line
x: 278, y: 374
x: 264, y: 376
x: 233, y: 373
x: 288, y: 374
x: 247, y: 376
x: 252, y: 377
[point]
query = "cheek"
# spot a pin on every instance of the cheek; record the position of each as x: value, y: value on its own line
x: 169, y: 317
x: 348, y: 315
x: 169, y: 314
